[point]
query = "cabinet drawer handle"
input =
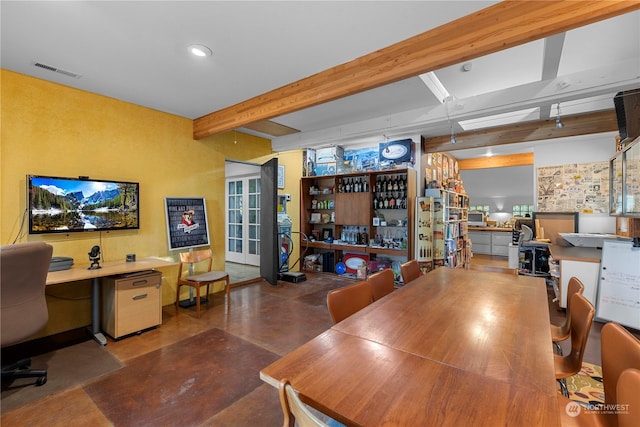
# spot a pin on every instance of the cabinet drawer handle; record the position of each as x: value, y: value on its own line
x: 141, y: 296
x: 140, y: 282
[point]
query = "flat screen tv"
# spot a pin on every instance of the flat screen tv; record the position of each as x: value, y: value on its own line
x: 63, y: 205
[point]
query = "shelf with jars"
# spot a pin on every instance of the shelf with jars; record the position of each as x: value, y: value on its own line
x: 359, y: 220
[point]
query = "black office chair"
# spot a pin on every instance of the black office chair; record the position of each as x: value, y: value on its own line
x: 23, y: 308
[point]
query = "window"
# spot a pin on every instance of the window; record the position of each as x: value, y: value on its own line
x: 522, y: 210
x: 480, y: 208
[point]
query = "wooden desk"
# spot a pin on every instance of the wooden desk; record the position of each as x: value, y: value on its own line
x: 455, y: 347
x: 108, y: 268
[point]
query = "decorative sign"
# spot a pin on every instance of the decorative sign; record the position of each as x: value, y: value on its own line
x: 582, y: 187
x: 186, y: 222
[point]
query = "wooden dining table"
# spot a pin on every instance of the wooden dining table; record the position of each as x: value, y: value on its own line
x: 455, y: 347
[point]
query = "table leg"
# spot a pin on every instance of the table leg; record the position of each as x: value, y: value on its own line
x: 95, y: 313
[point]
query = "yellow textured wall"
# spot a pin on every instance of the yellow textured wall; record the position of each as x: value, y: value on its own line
x: 50, y: 129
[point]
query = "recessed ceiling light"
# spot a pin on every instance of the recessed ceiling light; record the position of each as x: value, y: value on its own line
x: 199, y: 50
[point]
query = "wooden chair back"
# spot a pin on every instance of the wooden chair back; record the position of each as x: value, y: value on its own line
x: 381, y: 283
x: 294, y: 410
x: 562, y: 332
x: 195, y: 257
x: 345, y: 301
x: 628, y: 391
x: 582, y: 313
x: 409, y: 271
x: 620, y: 350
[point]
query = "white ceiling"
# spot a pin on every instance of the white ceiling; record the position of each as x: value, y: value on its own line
x: 136, y: 51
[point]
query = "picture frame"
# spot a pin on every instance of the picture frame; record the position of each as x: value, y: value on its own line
x: 327, y: 233
x: 280, y: 176
x: 187, y: 225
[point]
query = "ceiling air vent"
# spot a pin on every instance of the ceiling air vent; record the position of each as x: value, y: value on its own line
x: 56, y: 70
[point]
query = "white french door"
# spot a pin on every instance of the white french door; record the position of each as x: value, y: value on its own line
x: 242, y: 216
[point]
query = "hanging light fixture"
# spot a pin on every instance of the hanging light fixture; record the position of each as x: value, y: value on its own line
x: 559, y: 124
x: 453, y: 135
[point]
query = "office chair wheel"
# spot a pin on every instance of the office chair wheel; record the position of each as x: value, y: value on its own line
x: 41, y: 381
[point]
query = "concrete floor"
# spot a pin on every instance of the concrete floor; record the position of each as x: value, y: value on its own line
x: 262, y: 323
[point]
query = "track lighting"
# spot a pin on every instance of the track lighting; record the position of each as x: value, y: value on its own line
x: 559, y: 124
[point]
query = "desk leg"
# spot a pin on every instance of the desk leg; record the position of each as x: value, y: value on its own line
x: 95, y: 313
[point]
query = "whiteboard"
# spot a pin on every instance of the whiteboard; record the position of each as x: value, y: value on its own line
x: 619, y: 284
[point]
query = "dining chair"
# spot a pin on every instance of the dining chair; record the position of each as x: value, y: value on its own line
x: 345, y: 301
x: 624, y: 412
x: 409, y: 271
x: 296, y: 412
x: 620, y: 351
x: 561, y: 332
x: 582, y: 313
x: 194, y: 260
x: 628, y: 392
x: 381, y: 283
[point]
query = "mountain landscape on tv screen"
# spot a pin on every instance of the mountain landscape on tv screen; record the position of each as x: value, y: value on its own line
x: 58, y: 206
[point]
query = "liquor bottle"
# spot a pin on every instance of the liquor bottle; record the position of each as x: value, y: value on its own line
x: 375, y: 203
x: 380, y: 201
x: 347, y: 187
x: 401, y: 184
x: 386, y: 203
x: 395, y: 183
x: 392, y: 202
x: 365, y: 236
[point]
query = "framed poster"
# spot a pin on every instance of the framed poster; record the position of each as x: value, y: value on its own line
x: 186, y: 222
x: 281, y: 176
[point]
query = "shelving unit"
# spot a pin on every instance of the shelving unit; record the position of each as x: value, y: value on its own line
x: 450, y: 228
x: 341, y: 214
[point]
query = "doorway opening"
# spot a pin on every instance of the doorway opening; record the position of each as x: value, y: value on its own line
x: 242, y: 221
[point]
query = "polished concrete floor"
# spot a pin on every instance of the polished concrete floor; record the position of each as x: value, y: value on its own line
x: 228, y: 346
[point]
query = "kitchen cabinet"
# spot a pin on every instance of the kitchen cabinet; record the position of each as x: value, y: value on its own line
x: 490, y: 241
x: 480, y: 242
x: 500, y: 243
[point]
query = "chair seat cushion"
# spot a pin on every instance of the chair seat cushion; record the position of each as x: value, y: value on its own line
x: 210, y: 276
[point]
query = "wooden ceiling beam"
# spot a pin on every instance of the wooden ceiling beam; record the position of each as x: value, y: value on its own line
x: 498, y: 27
x: 579, y: 124
x: 508, y: 160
